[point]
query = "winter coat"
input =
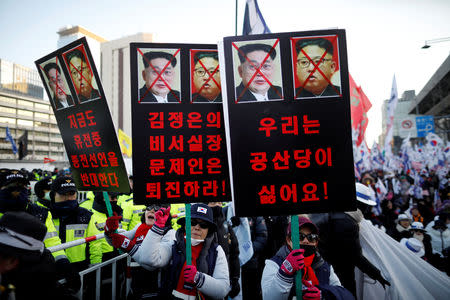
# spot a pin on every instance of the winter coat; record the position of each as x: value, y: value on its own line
x: 159, y: 252
x: 276, y: 285
x: 440, y: 240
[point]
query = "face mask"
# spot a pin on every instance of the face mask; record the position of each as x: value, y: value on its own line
x: 196, y: 242
x: 309, y: 250
x: 47, y: 196
x: 418, y: 236
x: 10, y: 203
x: 64, y: 208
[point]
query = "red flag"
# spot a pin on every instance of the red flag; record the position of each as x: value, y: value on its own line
x: 48, y: 160
x: 360, y: 105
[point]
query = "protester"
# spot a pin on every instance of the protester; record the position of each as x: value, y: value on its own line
x: 146, y: 281
x: 252, y: 270
x: 226, y: 238
x: 402, y: 227
x: 318, y: 277
x: 208, y: 275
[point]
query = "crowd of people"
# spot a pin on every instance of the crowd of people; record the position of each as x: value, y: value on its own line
x: 230, y: 257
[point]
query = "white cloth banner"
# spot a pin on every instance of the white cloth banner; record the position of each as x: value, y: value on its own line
x: 410, y: 276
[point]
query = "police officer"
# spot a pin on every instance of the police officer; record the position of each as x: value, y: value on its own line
x: 14, y: 196
x: 70, y: 220
x: 42, y: 190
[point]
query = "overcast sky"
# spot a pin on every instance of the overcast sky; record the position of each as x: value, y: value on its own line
x: 384, y: 37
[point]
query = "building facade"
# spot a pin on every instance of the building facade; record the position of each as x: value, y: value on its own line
x: 23, y: 108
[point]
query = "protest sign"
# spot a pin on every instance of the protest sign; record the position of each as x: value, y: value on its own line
x: 178, y: 139
x: 287, y: 110
x: 84, y: 120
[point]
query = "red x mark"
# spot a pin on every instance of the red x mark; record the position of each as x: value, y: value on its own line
x: 159, y: 75
x: 258, y: 70
x: 54, y: 80
x: 210, y: 76
x: 80, y: 72
x: 316, y: 68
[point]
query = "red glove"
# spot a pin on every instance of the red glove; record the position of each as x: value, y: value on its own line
x: 112, y: 223
x: 311, y: 292
x: 161, y: 217
x: 122, y: 242
x: 293, y: 262
x: 190, y: 274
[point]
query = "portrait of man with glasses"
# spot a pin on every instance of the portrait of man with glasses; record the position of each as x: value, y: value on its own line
x: 314, y: 68
x: 159, y: 75
x: 258, y: 70
x: 206, y: 77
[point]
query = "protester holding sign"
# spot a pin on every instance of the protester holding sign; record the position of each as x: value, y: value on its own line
x: 145, y: 279
x: 319, y: 280
x: 208, y: 276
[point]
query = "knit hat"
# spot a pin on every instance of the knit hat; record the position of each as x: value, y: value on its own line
x: 413, y: 245
x: 417, y: 226
x: 403, y: 217
x: 63, y: 185
x: 43, y: 185
x: 363, y: 194
x: 203, y: 212
x: 21, y: 235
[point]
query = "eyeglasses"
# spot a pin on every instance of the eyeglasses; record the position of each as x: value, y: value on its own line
x: 311, y: 237
x: 165, y: 73
x: 154, y: 207
x: 305, y: 63
x: 202, y: 224
x: 200, y: 72
x: 266, y: 67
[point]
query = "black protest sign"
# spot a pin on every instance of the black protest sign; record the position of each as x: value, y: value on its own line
x: 84, y: 120
x: 288, y: 108
x: 179, y: 148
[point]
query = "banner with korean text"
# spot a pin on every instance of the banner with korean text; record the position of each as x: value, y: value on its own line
x: 178, y: 138
x: 76, y: 95
x: 287, y: 111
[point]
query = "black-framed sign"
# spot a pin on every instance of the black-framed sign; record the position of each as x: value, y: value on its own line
x: 76, y: 95
x: 179, y: 148
x: 287, y: 104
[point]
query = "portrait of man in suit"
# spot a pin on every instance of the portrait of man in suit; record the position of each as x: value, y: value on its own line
x: 315, y: 67
x: 206, y: 77
x: 82, y: 75
x: 256, y: 70
x: 159, y: 75
x: 61, y: 97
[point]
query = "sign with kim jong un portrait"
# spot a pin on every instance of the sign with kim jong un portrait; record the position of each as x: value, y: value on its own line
x: 287, y: 103
x: 179, y: 148
x: 84, y: 120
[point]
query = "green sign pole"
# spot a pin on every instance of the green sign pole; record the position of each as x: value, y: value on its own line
x: 108, y: 204
x: 187, y: 209
x: 296, y: 245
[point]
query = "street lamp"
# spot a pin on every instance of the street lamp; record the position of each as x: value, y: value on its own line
x: 428, y: 42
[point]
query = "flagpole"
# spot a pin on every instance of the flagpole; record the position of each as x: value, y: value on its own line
x: 235, y: 18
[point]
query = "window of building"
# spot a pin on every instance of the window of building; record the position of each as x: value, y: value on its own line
x: 42, y: 106
x: 41, y: 115
x: 25, y: 123
x: 8, y: 100
x: 7, y: 120
x: 8, y: 110
x: 24, y: 103
x: 25, y: 113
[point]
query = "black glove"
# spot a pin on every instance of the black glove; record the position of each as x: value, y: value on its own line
x: 235, y: 287
x: 66, y: 270
x: 235, y: 221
